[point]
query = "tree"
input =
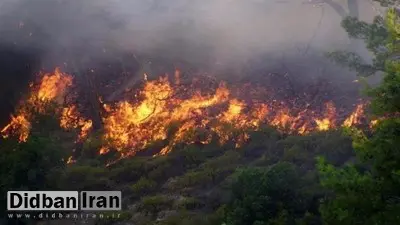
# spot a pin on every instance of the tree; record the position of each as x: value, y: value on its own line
x: 387, y: 3
x: 34, y: 165
x: 375, y: 36
x: 369, y: 192
x: 266, y: 196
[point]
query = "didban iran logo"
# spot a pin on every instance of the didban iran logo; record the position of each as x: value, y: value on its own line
x: 64, y: 201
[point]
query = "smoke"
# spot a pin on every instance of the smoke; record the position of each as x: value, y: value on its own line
x: 222, y: 37
x: 212, y: 31
x: 240, y: 38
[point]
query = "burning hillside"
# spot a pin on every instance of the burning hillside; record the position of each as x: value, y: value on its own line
x: 174, y: 112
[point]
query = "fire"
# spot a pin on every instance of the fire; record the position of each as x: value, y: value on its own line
x: 20, y: 125
x: 373, y: 123
x: 173, y: 114
x: 70, y: 119
x: 131, y: 125
x: 104, y: 150
x: 328, y: 122
x: 355, y: 117
x: 70, y: 160
x: 53, y: 86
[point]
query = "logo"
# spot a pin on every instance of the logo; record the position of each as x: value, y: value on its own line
x: 63, y: 200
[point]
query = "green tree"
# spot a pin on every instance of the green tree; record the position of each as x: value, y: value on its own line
x: 368, y: 193
x: 376, y: 37
x: 34, y: 165
x: 387, y: 3
x: 266, y: 196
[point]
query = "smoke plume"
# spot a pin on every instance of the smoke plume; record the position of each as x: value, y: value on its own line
x: 223, y: 37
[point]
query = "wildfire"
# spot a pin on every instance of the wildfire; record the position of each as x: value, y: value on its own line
x: 165, y: 111
x: 51, y: 88
x: 132, y: 126
x: 355, y: 117
x: 70, y: 119
x: 19, y: 125
x: 328, y: 122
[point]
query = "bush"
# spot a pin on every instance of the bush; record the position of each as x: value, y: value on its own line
x: 185, y: 218
x: 154, y: 204
x: 86, y: 178
x: 188, y: 203
x: 129, y: 170
x: 143, y: 186
x: 265, y: 196
x: 195, y: 178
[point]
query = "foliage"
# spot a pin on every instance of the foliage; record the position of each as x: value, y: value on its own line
x: 209, y: 173
x: 380, y: 38
x: 185, y: 218
x: 301, y: 150
x: 83, y: 177
x: 368, y: 193
x: 188, y: 203
x: 143, y: 186
x: 266, y: 196
x: 34, y: 165
x: 154, y: 204
x: 387, y: 3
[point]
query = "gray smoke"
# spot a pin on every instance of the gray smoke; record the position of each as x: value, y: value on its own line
x: 213, y: 33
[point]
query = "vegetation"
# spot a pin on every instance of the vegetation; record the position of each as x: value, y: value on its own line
x: 377, y: 39
x: 368, y: 192
x: 275, y: 179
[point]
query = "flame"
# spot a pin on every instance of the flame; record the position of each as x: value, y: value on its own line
x: 52, y: 87
x: 373, y: 123
x: 169, y: 112
x: 20, y: 125
x: 104, y: 150
x: 355, y: 117
x: 71, y: 119
x: 70, y: 160
x: 328, y: 122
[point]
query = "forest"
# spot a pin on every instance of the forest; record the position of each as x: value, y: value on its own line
x: 345, y: 175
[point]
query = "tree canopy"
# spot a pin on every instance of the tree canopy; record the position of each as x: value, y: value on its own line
x: 368, y: 192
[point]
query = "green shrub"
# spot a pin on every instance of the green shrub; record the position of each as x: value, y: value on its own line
x: 154, y: 204
x: 188, y: 203
x: 143, y: 186
x: 185, y: 218
x: 129, y: 170
x: 86, y: 178
x: 195, y: 178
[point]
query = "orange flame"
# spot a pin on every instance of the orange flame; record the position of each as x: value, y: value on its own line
x: 167, y: 112
x: 19, y: 125
x: 70, y: 119
x: 328, y: 122
x: 355, y: 117
x: 51, y: 88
